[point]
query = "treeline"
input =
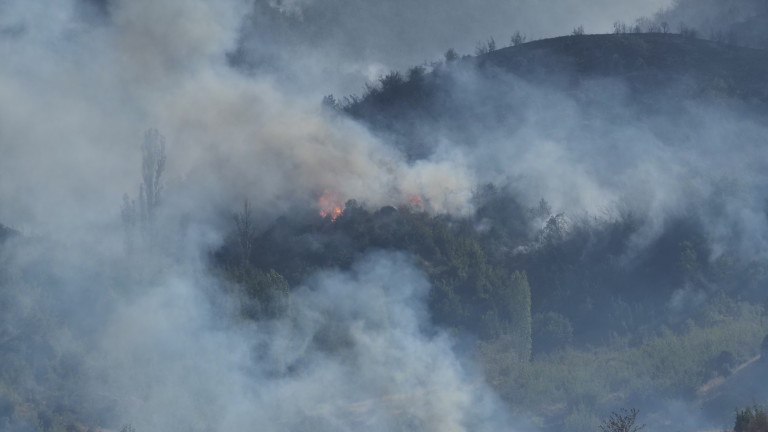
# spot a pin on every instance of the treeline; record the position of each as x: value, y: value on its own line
x: 566, y: 311
x: 590, y: 278
x: 471, y: 292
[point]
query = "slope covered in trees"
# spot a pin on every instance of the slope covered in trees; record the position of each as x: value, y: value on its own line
x: 574, y: 296
x: 646, y: 75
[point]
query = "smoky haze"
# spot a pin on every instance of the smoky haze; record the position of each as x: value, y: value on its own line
x: 87, y: 80
x: 234, y: 87
x: 345, y: 42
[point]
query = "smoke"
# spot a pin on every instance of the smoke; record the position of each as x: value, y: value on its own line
x: 146, y: 333
x: 355, y: 351
x: 599, y: 146
x: 79, y: 98
x: 738, y: 22
x: 354, y: 41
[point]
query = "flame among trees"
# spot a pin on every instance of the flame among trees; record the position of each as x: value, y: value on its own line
x: 330, y: 204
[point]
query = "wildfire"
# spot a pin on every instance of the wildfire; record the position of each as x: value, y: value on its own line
x: 415, y: 200
x: 330, y: 205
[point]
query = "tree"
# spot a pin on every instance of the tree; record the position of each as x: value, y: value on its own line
x: 246, y: 231
x: 517, y: 39
x: 491, y: 45
x: 451, y: 55
x: 520, y: 313
x: 485, y: 47
x: 578, y: 31
x: 664, y: 27
x: 551, y: 331
x: 751, y: 419
x: 688, y: 32
x: 152, y: 168
x: 330, y: 102
x: 391, y: 81
x: 622, y: 421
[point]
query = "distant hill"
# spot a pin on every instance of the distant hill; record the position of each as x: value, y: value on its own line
x: 651, y: 74
x: 646, y: 61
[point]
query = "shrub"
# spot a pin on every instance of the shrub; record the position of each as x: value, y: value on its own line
x: 751, y: 419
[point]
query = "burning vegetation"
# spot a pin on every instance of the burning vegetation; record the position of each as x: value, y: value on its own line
x: 330, y: 204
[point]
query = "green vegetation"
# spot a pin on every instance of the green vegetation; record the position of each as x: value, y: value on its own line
x: 625, y: 371
x: 751, y: 419
x: 570, y: 318
x: 571, y: 322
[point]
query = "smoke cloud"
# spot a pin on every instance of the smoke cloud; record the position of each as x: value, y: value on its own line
x: 356, y: 351
x: 87, y: 79
x: 354, y: 39
x: 81, y: 96
x: 146, y: 332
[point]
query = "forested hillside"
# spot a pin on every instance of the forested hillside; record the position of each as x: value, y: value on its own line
x: 566, y: 234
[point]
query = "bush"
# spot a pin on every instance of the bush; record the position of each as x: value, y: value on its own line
x: 751, y: 419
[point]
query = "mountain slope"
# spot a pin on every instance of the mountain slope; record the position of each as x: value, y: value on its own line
x: 644, y: 60
x: 606, y: 79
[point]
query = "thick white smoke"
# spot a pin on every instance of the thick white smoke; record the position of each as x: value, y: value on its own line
x: 156, y: 353
x: 77, y: 99
x: 355, y: 351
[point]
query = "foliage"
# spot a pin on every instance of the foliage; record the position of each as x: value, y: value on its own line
x: 688, y: 32
x: 517, y: 39
x: 764, y: 347
x: 485, y: 47
x: 669, y: 363
x: 551, y: 331
x: 451, y: 55
x: 622, y: 421
x: 152, y: 168
x: 751, y: 419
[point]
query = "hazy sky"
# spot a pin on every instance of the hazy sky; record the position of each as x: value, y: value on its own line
x: 344, y: 40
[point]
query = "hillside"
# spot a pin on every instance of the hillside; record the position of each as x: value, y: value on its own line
x: 645, y: 61
x: 532, y: 238
x: 614, y: 77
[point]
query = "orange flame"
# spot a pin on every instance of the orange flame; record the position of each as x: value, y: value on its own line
x: 415, y: 200
x: 330, y: 205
